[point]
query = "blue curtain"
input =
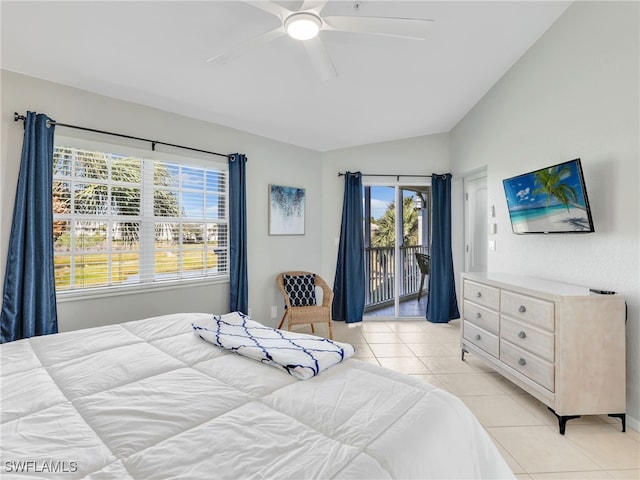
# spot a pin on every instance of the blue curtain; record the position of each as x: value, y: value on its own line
x: 29, y: 295
x: 349, y: 284
x: 442, y: 303
x: 238, y: 283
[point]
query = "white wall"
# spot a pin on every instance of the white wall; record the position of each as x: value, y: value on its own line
x: 575, y: 93
x: 268, y: 162
x: 413, y: 156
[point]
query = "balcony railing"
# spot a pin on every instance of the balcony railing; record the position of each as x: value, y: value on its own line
x: 380, y: 272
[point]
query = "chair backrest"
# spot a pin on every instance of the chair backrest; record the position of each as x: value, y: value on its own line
x: 327, y: 292
x: 423, y: 262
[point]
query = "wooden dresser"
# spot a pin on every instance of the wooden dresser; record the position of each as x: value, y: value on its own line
x: 561, y: 343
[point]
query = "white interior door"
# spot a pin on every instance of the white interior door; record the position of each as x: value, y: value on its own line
x: 476, y: 222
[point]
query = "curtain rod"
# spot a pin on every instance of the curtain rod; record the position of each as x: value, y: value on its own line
x: 17, y: 117
x: 342, y: 174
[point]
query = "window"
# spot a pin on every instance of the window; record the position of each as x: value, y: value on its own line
x: 122, y: 220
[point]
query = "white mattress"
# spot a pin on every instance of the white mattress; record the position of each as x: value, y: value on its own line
x: 149, y: 400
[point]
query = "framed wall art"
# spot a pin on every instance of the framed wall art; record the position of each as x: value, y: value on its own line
x: 286, y: 210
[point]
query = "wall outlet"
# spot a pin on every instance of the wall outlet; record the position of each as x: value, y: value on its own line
x: 492, y: 245
x: 274, y: 311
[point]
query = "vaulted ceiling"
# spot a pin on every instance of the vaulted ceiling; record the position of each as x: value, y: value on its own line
x: 155, y: 53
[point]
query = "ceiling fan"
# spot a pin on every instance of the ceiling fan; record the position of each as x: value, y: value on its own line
x: 305, y: 24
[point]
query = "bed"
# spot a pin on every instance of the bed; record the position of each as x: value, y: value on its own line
x: 150, y: 399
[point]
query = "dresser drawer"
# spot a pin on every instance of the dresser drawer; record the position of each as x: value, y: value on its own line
x: 529, y: 310
x: 481, y: 338
x: 530, y: 365
x: 480, y: 316
x: 482, y: 294
x: 536, y: 341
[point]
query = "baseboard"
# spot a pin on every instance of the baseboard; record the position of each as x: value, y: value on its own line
x: 633, y: 423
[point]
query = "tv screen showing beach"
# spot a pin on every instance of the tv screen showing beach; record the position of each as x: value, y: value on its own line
x: 549, y: 200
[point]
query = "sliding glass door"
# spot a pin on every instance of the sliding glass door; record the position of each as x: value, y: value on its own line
x: 397, y: 227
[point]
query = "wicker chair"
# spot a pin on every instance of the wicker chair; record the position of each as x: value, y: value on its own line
x: 302, y: 315
x: 424, y: 264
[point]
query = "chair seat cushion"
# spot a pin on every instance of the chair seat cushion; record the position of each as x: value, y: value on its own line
x: 301, y: 289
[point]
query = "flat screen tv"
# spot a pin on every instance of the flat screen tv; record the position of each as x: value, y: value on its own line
x: 549, y: 200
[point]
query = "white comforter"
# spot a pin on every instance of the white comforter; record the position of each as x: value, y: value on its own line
x: 149, y: 399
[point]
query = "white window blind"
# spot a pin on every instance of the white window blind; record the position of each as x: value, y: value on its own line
x: 122, y: 221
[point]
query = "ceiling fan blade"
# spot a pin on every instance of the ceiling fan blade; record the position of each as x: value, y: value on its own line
x: 273, y: 8
x: 394, y: 27
x: 320, y: 60
x: 249, y: 44
x: 315, y: 5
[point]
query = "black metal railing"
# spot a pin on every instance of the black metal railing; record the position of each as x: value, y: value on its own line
x: 380, y: 272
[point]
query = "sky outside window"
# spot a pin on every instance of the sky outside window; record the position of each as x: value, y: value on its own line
x: 382, y: 197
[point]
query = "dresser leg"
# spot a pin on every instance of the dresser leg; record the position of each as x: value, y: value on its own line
x: 463, y: 352
x: 622, y: 417
x: 562, y: 420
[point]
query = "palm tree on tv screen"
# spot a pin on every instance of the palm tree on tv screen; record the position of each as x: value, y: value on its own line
x: 550, y: 181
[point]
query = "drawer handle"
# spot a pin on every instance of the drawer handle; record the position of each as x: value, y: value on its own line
x: 522, y: 361
x: 478, y: 294
x: 478, y: 337
x: 522, y: 309
x: 478, y: 315
x: 522, y: 335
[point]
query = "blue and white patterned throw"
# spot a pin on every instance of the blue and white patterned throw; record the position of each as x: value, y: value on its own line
x: 300, y: 355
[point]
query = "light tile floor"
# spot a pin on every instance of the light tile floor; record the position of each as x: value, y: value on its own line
x: 523, y: 429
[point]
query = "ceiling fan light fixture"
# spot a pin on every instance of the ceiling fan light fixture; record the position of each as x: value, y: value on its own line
x: 303, y: 26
